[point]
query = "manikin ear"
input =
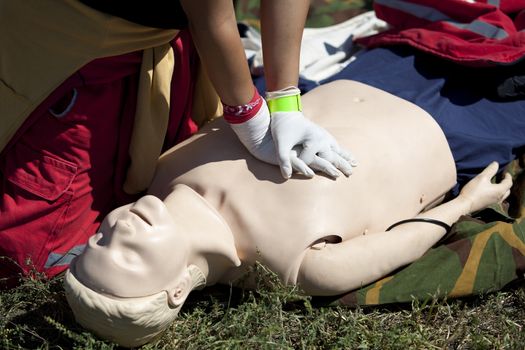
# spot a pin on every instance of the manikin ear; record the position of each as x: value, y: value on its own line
x: 178, y: 294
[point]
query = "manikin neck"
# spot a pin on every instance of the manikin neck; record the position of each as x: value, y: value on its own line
x: 211, y: 239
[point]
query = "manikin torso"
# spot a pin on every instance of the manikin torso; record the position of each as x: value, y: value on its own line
x: 261, y: 208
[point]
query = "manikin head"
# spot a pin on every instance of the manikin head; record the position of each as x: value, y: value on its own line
x: 136, y: 272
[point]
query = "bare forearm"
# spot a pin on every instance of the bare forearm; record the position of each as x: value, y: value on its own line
x: 214, y: 30
x: 282, y: 24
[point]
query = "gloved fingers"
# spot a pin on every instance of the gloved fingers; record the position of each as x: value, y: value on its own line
x: 336, y: 161
x: 284, y: 156
x: 344, y: 165
x: 300, y: 166
x: 343, y: 153
x: 325, y: 166
x: 309, y: 151
x: 317, y: 146
x: 325, y: 159
x: 285, y: 164
x: 288, y: 130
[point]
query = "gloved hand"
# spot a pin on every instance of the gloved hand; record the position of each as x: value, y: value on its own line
x: 292, y: 131
x: 256, y: 136
x: 287, y: 139
x: 317, y: 148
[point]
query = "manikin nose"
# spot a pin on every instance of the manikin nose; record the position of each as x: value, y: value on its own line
x: 151, y: 207
x: 150, y: 201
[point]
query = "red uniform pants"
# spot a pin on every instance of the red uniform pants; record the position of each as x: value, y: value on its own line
x: 64, y: 169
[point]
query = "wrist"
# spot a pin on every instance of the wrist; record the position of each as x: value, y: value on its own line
x: 465, y: 204
x: 284, y: 100
x: 252, y: 131
x: 242, y: 113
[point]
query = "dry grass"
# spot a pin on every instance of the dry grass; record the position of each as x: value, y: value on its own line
x: 36, y: 316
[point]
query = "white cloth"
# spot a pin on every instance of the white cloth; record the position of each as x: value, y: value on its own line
x: 324, y: 51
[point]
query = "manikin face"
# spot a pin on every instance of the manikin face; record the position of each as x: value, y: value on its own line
x: 138, y: 251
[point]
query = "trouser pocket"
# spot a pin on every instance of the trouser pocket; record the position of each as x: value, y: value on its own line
x: 35, y: 200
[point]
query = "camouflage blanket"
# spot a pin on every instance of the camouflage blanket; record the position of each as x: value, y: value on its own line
x: 481, y: 254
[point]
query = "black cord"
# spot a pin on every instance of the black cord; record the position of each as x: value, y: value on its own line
x: 427, y: 220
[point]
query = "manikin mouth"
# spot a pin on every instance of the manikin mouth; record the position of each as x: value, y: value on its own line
x: 141, y: 215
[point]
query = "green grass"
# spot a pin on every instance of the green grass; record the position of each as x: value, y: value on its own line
x: 321, y: 13
x: 36, y: 316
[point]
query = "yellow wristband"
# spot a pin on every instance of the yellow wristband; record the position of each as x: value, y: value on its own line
x: 285, y: 104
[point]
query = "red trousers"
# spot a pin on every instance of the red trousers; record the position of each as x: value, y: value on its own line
x: 64, y: 169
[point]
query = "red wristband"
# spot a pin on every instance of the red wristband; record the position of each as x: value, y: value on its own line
x: 240, y: 114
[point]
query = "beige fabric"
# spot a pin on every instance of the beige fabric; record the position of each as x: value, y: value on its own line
x: 43, y: 42
x: 151, y: 119
x: 206, y: 102
x: 151, y: 116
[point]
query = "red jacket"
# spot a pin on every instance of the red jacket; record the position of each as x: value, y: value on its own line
x: 475, y: 33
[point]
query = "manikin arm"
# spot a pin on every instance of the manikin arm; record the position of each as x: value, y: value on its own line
x: 339, y: 268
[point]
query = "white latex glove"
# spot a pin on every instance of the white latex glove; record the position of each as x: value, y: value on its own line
x: 317, y: 148
x: 480, y: 192
x: 302, y: 143
x: 256, y: 136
